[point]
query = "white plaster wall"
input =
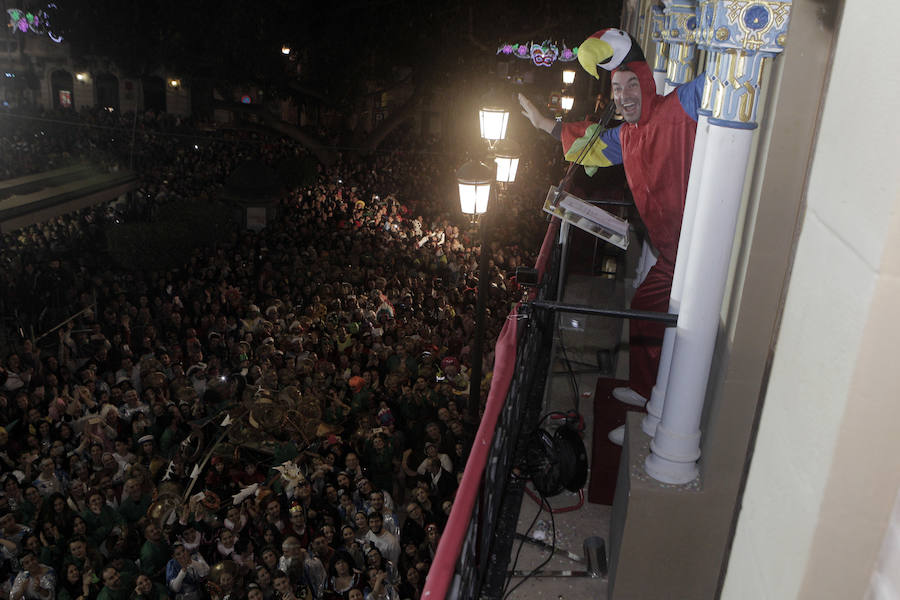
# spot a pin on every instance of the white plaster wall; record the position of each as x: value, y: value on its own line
x: 885, y: 583
x: 852, y: 190
x: 83, y: 92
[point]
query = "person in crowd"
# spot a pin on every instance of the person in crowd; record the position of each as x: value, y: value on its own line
x: 101, y: 519
x: 293, y: 561
x: 352, y: 545
x: 75, y: 585
x: 35, y: 581
x: 154, y: 554
x: 380, y: 587
x: 255, y: 592
x: 343, y: 576
x: 385, y: 541
x: 432, y: 538
x: 12, y: 533
x: 411, y: 588
x: 414, y: 525
x: 186, y: 573
x: 83, y: 556
x: 442, y: 483
x: 134, y: 501
x: 287, y: 590
x: 423, y: 499
x: 376, y: 560
x: 47, y: 481
x: 147, y: 589
x: 116, y: 585
x: 55, y: 511
x: 389, y: 520
x: 431, y: 452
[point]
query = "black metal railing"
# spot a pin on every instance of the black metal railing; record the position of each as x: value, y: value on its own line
x: 481, y: 566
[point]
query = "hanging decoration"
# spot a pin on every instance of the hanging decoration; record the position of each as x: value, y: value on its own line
x: 542, y: 55
x: 34, y: 21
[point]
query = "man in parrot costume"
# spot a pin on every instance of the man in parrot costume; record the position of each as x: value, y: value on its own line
x: 655, y: 144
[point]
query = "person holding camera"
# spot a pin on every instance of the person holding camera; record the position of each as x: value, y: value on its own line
x: 35, y: 581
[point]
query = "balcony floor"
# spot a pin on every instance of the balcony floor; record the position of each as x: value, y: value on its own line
x: 594, y: 349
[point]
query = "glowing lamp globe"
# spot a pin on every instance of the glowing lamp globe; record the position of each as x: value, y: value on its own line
x: 494, y: 120
x: 568, y: 76
x: 285, y: 50
x: 474, y: 179
x: 506, y: 157
x: 566, y: 102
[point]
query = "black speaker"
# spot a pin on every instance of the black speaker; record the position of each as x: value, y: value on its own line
x: 557, y: 462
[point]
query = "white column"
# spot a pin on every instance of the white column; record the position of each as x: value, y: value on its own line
x: 658, y: 396
x: 659, y: 78
x: 741, y: 43
x: 658, y: 35
x: 676, y: 445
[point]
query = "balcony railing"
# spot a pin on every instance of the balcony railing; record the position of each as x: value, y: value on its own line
x: 473, y: 553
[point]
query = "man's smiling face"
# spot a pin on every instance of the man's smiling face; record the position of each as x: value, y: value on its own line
x: 626, y: 91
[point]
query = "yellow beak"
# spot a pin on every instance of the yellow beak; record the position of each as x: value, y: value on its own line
x: 591, y: 52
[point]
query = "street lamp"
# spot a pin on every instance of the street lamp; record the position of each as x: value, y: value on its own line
x: 474, y: 179
x: 566, y: 103
x: 569, y: 76
x: 493, y: 119
x: 506, y: 157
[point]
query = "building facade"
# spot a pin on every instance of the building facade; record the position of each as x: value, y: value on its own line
x: 36, y: 71
x: 796, y: 491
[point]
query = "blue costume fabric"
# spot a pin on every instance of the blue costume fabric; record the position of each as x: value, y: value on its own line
x: 656, y: 152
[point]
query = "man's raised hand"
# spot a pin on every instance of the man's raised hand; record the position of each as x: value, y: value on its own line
x: 533, y: 114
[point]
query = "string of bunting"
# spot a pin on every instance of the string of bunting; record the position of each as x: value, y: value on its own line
x: 542, y: 55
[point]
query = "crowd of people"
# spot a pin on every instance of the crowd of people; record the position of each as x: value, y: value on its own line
x: 283, y: 416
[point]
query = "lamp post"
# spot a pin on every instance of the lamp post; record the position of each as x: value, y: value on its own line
x: 475, y: 179
x: 568, y: 76
x: 566, y: 103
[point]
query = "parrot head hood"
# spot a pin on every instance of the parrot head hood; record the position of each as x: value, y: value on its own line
x: 614, y: 50
x: 607, y: 49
